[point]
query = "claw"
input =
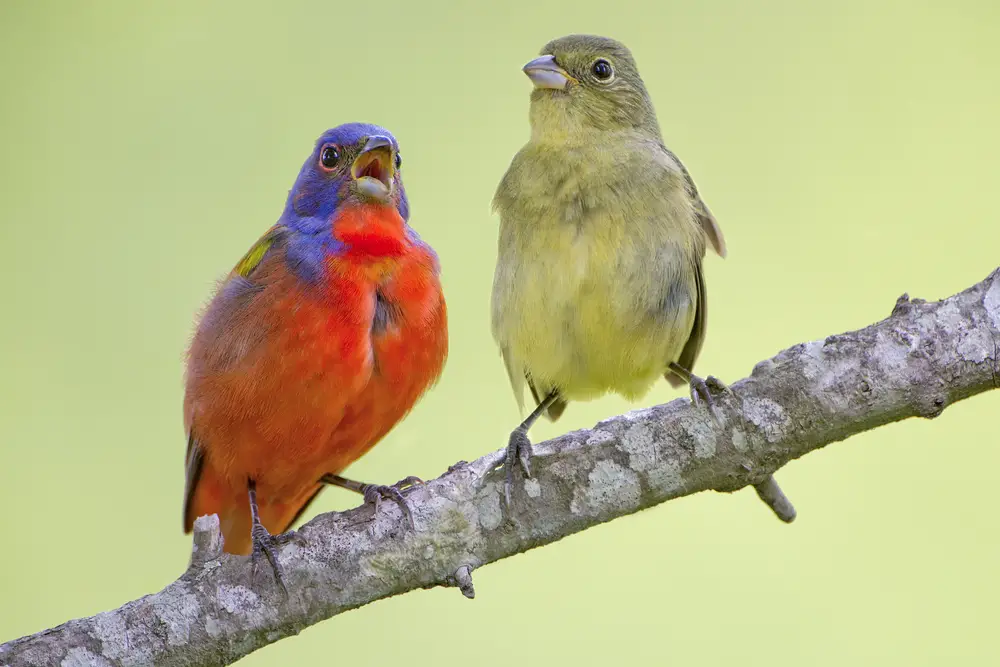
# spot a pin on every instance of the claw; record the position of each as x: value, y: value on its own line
x: 408, y: 482
x: 375, y: 494
x: 264, y: 545
x: 518, y: 452
x: 718, y: 386
x: 702, y: 390
x: 263, y: 542
x: 519, y: 446
x: 524, y: 457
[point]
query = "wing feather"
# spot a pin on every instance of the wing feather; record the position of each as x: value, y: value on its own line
x: 693, y: 346
x: 234, y: 343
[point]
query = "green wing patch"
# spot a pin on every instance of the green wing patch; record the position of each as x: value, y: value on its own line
x: 255, y: 255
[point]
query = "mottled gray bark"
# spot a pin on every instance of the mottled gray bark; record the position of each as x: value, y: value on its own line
x: 921, y: 359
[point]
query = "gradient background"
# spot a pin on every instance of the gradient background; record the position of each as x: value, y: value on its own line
x: 848, y: 151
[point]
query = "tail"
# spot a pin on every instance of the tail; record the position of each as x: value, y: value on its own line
x: 215, y: 495
x: 675, y: 380
x: 556, y: 409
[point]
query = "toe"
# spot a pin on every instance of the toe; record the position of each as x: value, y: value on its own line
x: 376, y: 494
x: 518, y: 455
x: 524, y: 456
x: 264, y: 546
x: 373, y: 496
x: 718, y: 385
x: 406, y: 483
x: 404, y: 505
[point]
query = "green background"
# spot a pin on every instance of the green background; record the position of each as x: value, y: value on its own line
x: 848, y: 150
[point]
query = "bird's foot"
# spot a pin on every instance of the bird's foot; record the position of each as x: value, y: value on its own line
x: 264, y: 545
x: 702, y: 391
x: 518, y: 452
x: 376, y: 493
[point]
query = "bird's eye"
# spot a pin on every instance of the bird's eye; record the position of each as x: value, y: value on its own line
x: 329, y: 156
x: 602, y: 70
x: 399, y: 160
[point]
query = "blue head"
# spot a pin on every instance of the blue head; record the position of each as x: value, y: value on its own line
x: 355, y: 163
x: 352, y: 163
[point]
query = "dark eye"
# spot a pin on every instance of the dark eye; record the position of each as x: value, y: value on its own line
x: 602, y: 69
x: 399, y: 160
x: 329, y: 156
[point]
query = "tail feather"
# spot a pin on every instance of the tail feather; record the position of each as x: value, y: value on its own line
x: 556, y: 409
x: 675, y: 380
x: 214, y: 495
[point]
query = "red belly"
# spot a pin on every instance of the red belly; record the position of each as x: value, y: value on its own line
x: 313, y: 397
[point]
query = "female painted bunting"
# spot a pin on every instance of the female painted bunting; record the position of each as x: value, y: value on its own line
x: 320, y: 340
x: 599, y: 284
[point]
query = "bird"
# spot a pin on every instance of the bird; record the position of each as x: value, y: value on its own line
x: 320, y: 340
x: 599, y: 286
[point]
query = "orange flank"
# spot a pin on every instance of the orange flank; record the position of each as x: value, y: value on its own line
x: 291, y: 379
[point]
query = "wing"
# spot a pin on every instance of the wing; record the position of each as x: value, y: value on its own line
x: 250, y: 261
x: 705, y: 218
x: 231, y: 327
x: 713, y: 232
x: 194, y: 459
x: 518, y: 377
x: 693, y: 346
x: 230, y: 344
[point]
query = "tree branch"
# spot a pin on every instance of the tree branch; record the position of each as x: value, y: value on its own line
x: 921, y: 359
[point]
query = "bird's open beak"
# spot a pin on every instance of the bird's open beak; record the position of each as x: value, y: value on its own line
x: 545, y: 73
x: 374, y: 168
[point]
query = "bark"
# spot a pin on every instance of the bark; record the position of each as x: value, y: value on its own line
x: 921, y: 359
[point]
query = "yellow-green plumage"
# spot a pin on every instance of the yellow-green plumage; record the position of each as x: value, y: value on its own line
x: 598, y: 284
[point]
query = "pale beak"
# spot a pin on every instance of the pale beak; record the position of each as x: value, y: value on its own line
x: 374, y: 168
x: 545, y: 73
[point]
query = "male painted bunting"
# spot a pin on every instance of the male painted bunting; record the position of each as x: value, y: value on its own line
x: 320, y: 340
x: 599, y: 284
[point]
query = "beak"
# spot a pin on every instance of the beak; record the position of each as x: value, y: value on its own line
x: 374, y: 168
x: 545, y: 73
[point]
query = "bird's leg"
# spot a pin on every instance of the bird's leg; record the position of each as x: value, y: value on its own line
x: 519, y: 446
x: 700, y: 389
x: 263, y: 541
x: 376, y: 493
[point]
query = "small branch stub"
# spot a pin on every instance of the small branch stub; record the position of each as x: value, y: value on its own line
x: 463, y: 579
x: 207, y: 543
x: 775, y: 498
